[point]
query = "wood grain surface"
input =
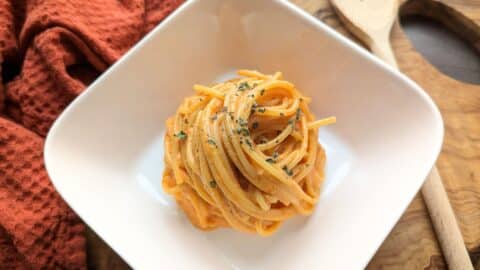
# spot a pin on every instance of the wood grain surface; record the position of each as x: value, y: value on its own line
x: 412, y: 243
x: 443, y: 48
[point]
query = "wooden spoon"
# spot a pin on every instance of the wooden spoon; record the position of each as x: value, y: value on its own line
x: 371, y: 21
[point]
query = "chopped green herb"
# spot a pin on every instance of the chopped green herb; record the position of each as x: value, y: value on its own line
x: 263, y: 140
x: 243, y: 131
x: 181, y: 135
x: 242, y: 122
x: 297, y: 116
x: 249, y: 143
x: 214, y: 117
x: 287, y: 171
x: 243, y: 86
x: 213, y: 184
x: 261, y: 110
x: 291, y: 122
x: 270, y: 160
x: 212, y: 142
x: 262, y: 92
x: 251, y: 96
x: 273, y: 159
x: 254, y: 106
x: 255, y: 125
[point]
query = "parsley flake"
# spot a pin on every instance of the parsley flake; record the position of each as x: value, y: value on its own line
x: 213, y: 184
x: 287, y: 171
x: 297, y: 116
x: 212, y: 142
x: 249, y: 143
x: 242, y: 122
x: 243, y: 86
x: 243, y: 131
x: 254, y: 106
x: 270, y: 160
x: 181, y: 135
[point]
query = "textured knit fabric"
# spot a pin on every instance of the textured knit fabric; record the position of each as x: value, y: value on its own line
x: 50, y: 50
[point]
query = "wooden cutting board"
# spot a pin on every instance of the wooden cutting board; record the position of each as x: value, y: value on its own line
x: 412, y: 243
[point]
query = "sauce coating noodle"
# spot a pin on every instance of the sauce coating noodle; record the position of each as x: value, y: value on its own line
x: 244, y: 154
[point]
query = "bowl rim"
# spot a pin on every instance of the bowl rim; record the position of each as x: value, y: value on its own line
x: 303, y: 15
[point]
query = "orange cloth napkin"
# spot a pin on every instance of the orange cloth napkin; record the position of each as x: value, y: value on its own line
x: 49, y: 51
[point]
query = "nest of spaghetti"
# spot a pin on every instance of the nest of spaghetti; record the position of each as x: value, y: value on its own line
x: 244, y: 154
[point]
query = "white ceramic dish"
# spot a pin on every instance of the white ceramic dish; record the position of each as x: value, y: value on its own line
x: 105, y: 153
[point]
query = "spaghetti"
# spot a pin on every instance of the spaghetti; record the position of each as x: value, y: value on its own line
x: 244, y: 154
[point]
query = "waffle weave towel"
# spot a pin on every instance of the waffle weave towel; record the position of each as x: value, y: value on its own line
x: 49, y: 51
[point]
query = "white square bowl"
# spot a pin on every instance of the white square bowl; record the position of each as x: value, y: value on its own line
x: 105, y: 152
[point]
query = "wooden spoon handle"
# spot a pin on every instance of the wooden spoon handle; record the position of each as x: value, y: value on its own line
x: 383, y: 50
x: 434, y: 194
x: 444, y: 222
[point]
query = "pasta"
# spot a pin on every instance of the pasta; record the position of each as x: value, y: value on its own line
x: 244, y: 154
